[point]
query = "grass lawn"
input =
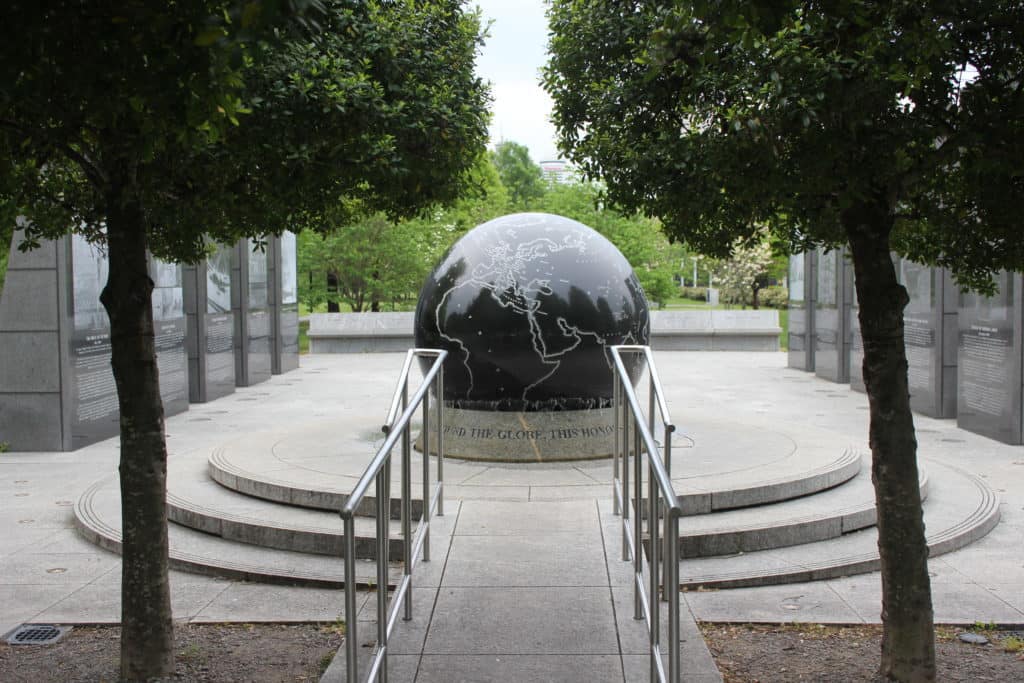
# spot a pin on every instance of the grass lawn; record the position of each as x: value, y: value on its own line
x: 784, y: 324
x: 303, y: 336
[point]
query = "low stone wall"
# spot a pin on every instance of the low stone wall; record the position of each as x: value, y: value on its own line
x: 716, y: 330
x: 360, y: 332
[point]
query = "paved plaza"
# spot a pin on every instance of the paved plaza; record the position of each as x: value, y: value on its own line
x: 526, y: 580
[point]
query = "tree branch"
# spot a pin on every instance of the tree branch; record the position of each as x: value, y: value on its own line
x: 91, y: 170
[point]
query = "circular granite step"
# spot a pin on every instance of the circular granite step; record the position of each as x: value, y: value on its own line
x: 715, y: 465
x: 197, y: 502
x: 960, y: 510
x: 97, y: 518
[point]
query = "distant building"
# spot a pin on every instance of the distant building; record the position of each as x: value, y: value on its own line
x: 558, y: 171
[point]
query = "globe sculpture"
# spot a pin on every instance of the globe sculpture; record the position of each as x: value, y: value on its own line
x: 527, y: 306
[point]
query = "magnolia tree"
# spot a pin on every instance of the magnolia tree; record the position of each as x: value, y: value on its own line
x: 148, y: 126
x: 895, y: 126
x: 745, y: 273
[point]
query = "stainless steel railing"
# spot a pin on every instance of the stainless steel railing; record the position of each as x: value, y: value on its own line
x: 378, y: 472
x: 633, y: 438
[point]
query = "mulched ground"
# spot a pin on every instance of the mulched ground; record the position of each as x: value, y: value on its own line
x: 266, y: 653
x: 261, y: 653
x: 812, y: 652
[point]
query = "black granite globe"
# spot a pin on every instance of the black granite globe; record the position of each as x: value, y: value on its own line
x: 527, y: 306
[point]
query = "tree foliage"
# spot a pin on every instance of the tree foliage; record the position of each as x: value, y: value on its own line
x: 367, y: 262
x: 522, y: 178
x: 370, y: 261
x: 883, y: 126
x: 150, y: 126
x: 745, y: 273
x: 6, y: 233
x: 639, y: 239
x: 373, y: 259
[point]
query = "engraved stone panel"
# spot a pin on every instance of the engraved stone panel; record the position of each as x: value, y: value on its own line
x: 169, y: 335
x: 802, y: 299
x: 989, y: 362
x: 931, y: 376
x: 286, y: 316
x: 220, y: 360
x: 832, y: 316
x: 62, y: 369
x: 251, y: 301
x: 94, y: 408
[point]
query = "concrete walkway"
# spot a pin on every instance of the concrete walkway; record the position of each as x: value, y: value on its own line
x: 526, y: 592
x: 550, y: 605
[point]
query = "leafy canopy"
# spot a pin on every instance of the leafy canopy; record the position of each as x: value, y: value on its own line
x: 639, y: 239
x: 372, y: 260
x: 721, y: 116
x: 522, y: 178
x: 227, y: 123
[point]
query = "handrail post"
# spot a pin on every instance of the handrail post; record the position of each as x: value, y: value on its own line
x: 616, y: 401
x: 351, y: 639
x: 426, y: 475
x: 662, y: 504
x: 672, y: 589
x: 383, y: 541
x: 666, y: 555
x: 638, y: 517
x: 653, y: 599
x: 652, y: 395
x: 377, y: 478
x: 407, y: 507
x: 625, y: 484
x: 440, y: 443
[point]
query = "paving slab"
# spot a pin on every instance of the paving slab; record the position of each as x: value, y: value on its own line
x: 546, y: 559
x: 252, y: 602
x: 22, y: 602
x: 523, y: 621
x: 813, y: 602
x: 488, y: 668
x: 637, y: 669
x: 408, y: 636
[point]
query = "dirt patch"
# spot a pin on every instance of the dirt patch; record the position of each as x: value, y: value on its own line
x: 812, y: 652
x: 275, y: 653
x: 262, y: 653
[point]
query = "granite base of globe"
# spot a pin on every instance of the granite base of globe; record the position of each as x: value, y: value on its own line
x: 539, y: 436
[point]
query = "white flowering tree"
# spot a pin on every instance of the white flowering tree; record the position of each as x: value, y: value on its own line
x: 745, y: 273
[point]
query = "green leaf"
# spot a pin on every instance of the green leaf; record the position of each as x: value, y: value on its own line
x: 209, y: 36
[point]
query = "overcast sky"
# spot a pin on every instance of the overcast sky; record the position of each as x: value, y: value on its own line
x: 511, y: 61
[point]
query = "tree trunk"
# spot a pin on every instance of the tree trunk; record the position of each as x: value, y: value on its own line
x: 908, y: 637
x: 374, y: 301
x: 332, y: 288
x: 146, y: 629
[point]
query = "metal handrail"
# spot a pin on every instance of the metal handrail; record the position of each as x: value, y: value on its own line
x: 396, y: 427
x: 663, y: 504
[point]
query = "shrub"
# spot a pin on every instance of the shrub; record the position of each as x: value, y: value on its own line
x: 773, y: 297
x: 695, y: 293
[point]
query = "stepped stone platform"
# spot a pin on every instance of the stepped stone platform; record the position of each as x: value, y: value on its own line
x: 766, y: 503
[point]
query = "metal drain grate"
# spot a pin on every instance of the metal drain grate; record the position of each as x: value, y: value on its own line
x: 37, y: 634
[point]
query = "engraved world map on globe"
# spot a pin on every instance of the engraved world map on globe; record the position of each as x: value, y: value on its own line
x: 527, y: 305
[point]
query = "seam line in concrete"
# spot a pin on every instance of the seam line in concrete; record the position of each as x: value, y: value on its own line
x: 611, y: 592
